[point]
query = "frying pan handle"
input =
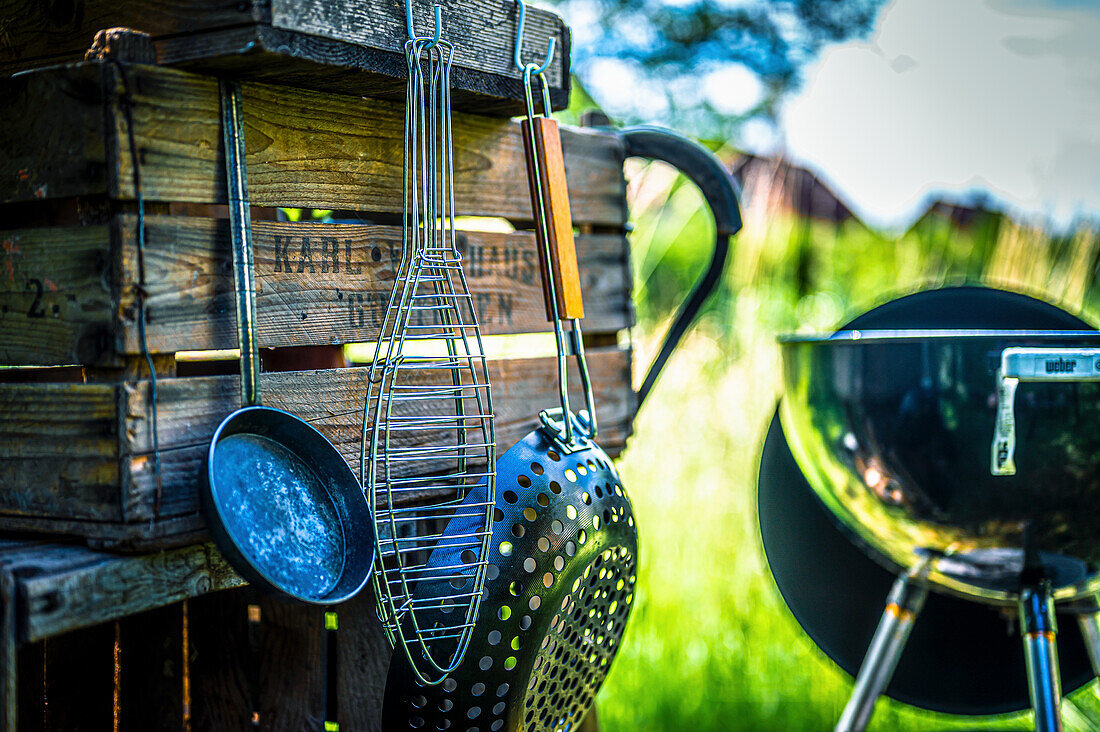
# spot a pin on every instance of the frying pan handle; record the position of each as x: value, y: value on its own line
x: 240, y: 227
x: 1032, y: 364
x: 721, y: 193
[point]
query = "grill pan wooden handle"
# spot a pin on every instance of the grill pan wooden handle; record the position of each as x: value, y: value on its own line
x: 548, y: 156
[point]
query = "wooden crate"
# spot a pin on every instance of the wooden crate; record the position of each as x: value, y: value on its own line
x: 353, y: 47
x: 171, y: 641
x: 92, y: 641
x: 76, y: 451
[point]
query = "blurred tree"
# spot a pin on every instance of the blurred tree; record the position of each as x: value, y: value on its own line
x: 704, y: 66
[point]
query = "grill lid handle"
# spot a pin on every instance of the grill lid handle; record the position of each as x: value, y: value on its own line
x: 1037, y: 365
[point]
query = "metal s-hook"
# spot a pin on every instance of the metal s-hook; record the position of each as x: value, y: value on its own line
x: 412, y: 31
x: 519, y: 44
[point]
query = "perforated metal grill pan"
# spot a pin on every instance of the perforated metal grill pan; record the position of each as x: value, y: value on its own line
x: 559, y: 590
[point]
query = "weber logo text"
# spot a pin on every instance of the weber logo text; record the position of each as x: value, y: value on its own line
x: 1061, y: 366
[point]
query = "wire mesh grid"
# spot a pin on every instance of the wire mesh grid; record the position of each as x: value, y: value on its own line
x: 428, y: 450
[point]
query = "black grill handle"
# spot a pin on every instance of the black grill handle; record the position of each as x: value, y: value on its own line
x: 703, y: 169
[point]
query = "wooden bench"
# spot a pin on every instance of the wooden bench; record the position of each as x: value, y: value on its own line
x: 165, y: 637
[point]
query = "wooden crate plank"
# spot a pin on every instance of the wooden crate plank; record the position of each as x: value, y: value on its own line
x: 275, y: 56
x: 113, y: 586
x: 332, y: 402
x: 151, y: 671
x: 62, y: 301
x: 48, y: 422
x: 483, y: 32
x: 80, y: 679
x: 291, y: 666
x: 56, y: 287
x: 323, y: 284
x: 363, y: 661
x: 81, y: 415
x: 66, y: 487
x: 41, y: 33
x: 330, y: 283
x: 62, y: 112
x: 221, y: 661
x: 75, y: 472
x: 352, y: 48
x: 23, y: 557
x: 9, y: 650
x: 166, y: 533
x: 305, y: 149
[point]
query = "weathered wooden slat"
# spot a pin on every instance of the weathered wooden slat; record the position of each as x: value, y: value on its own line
x: 151, y: 670
x: 291, y: 637
x: 329, y: 283
x: 145, y: 536
x: 47, y: 420
x: 10, y: 692
x: 74, y: 474
x: 363, y: 661
x: 252, y: 661
x: 73, y: 487
x: 81, y: 415
x: 305, y: 149
x: 221, y: 660
x: 88, y: 587
x: 483, y: 32
x: 332, y: 402
x: 276, y: 56
x: 353, y: 48
x: 57, y: 295
x: 77, y: 159
x: 64, y: 298
x: 39, y: 33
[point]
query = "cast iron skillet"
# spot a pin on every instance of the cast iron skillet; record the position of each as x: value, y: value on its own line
x: 280, y: 500
x: 962, y: 657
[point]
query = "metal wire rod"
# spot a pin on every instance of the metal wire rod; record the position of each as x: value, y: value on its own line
x: 445, y: 426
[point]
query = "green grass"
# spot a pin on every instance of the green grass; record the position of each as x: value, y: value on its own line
x: 710, y: 645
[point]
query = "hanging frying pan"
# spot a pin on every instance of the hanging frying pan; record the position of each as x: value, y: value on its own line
x: 962, y: 657
x: 562, y: 560
x: 280, y: 500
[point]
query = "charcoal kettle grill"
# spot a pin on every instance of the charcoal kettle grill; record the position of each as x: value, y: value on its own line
x: 947, y: 437
x: 563, y: 554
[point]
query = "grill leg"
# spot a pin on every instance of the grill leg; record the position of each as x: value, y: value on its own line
x: 1089, y: 621
x: 1041, y: 654
x: 902, y: 607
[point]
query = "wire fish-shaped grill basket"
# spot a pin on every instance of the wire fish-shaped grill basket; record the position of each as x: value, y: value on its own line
x: 428, y: 450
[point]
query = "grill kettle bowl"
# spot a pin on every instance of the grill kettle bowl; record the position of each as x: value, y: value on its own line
x: 893, y: 430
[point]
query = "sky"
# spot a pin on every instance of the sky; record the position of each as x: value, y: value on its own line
x: 954, y: 96
x: 944, y: 98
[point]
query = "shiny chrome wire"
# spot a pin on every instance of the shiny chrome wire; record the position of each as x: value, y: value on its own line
x: 428, y: 431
